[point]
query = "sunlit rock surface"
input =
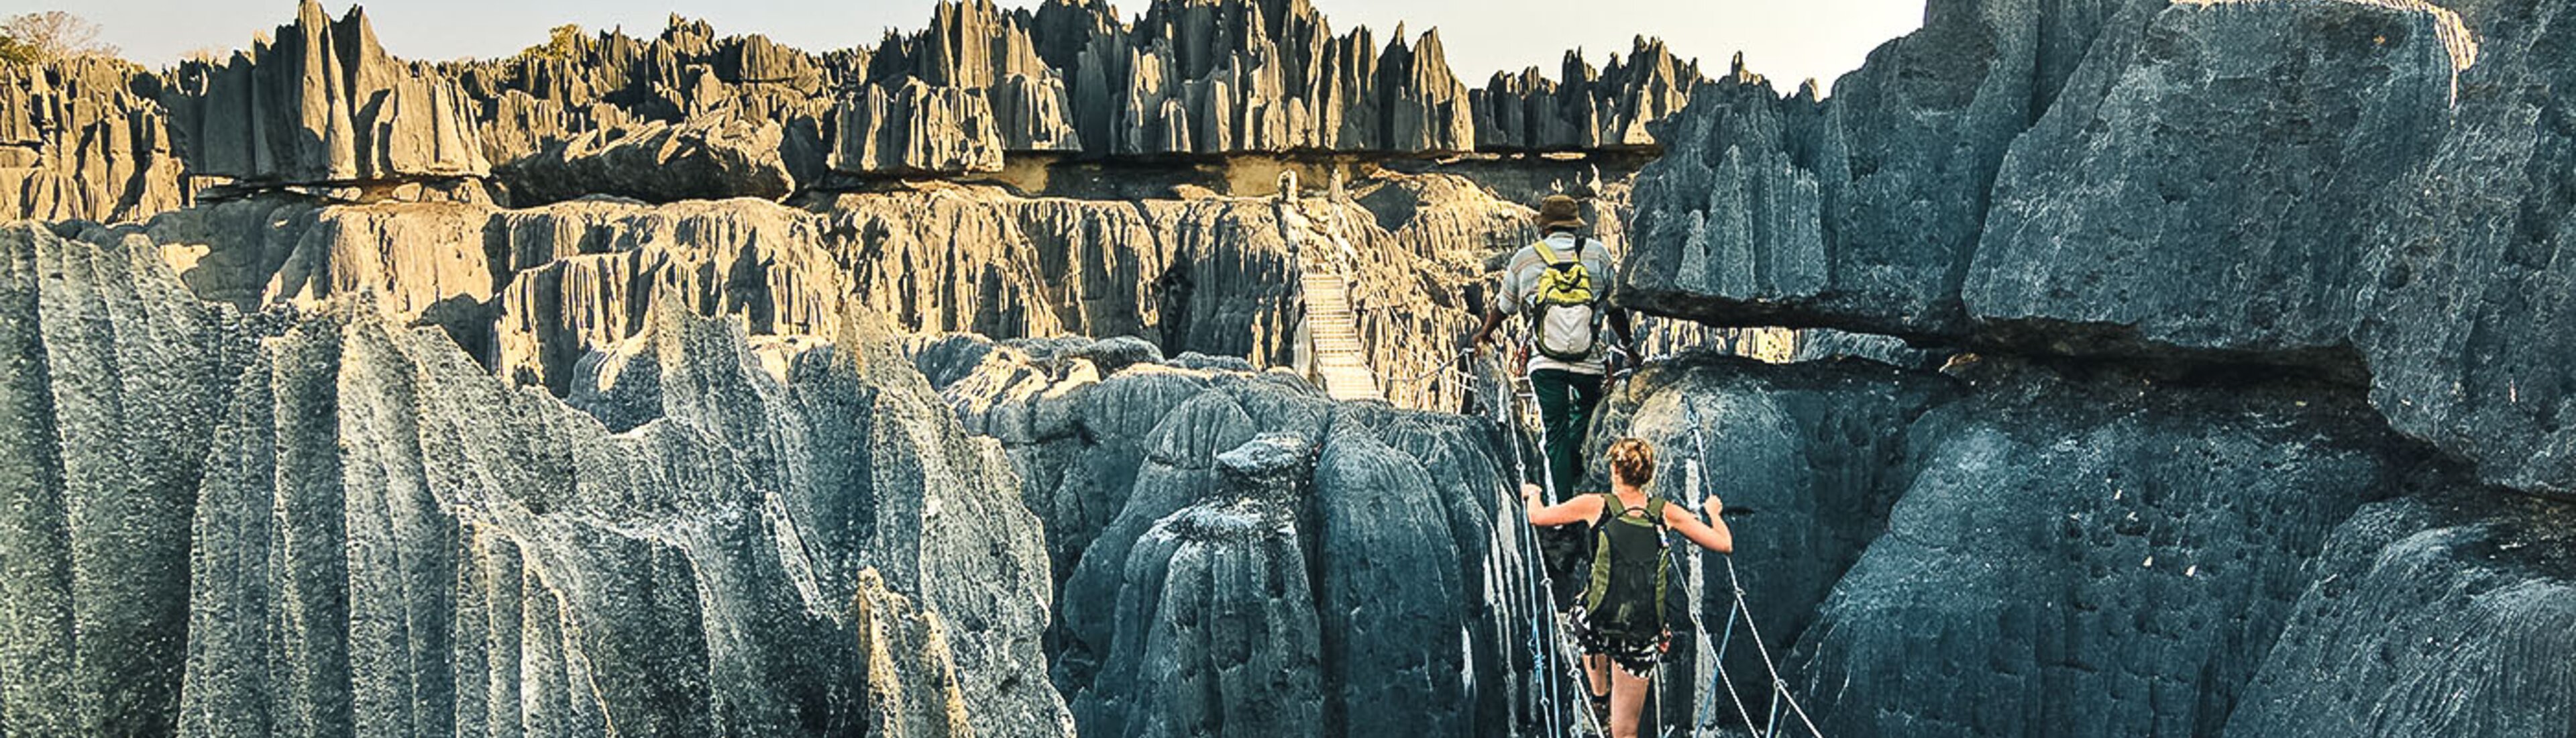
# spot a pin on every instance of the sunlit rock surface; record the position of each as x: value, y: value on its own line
x: 305, y: 522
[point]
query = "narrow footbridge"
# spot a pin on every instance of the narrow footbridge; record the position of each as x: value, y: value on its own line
x: 1330, y: 350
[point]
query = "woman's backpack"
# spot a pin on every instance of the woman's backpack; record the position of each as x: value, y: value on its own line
x: 1568, y: 306
x: 1626, y: 597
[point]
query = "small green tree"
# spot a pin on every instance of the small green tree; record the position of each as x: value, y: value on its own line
x: 562, y: 42
x: 41, y: 37
x: 13, y: 52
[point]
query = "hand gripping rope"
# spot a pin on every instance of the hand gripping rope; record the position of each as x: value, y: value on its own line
x: 1780, y: 696
x: 1562, y: 656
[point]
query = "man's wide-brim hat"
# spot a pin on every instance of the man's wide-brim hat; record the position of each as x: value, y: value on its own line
x: 1559, y: 211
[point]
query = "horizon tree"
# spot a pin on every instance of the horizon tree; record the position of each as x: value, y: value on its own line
x: 35, y: 38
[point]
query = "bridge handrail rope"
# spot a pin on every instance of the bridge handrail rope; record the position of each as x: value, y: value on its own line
x: 1501, y: 413
x: 1740, y: 611
x: 1506, y: 407
x: 1707, y: 714
x: 1569, y: 653
x: 1450, y: 366
x: 1550, y: 651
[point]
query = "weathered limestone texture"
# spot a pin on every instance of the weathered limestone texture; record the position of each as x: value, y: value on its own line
x: 1242, y: 520
x: 532, y: 291
x: 85, y: 139
x: 2007, y: 548
x: 687, y: 114
x: 323, y: 103
x: 657, y: 162
x: 2365, y: 191
x: 301, y: 522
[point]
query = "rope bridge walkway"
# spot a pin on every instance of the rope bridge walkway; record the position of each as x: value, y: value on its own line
x: 1555, y: 698
x: 1337, y: 359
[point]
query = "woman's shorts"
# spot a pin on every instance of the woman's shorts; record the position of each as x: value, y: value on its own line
x: 1638, y: 656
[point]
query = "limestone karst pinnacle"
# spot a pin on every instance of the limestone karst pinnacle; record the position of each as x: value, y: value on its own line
x: 2070, y: 368
x: 324, y: 106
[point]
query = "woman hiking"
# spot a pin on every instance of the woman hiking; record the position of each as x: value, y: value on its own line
x: 1621, y: 619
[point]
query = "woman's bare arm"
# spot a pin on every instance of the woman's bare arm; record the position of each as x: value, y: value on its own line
x: 1714, y: 535
x: 1579, y: 509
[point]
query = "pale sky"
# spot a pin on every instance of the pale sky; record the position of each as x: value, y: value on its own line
x: 1787, y: 40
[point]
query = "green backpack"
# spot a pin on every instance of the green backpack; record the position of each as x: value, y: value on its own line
x: 1627, y: 594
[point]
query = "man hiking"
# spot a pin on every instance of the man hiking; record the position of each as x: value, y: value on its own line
x: 1621, y: 620
x: 1563, y: 284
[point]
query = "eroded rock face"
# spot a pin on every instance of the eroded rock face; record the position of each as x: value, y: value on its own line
x: 1220, y: 531
x: 909, y: 674
x: 1859, y: 212
x: 656, y: 162
x: 531, y: 292
x: 381, y: 534
x: 2151, y: 552
x: 2466, y: 327
x: 108, y: 407
x: 323, y: 104
x: 2166, y: 182
x: 85, y: 139
x: 916, y: 128
x: 2089, y: 548
x: 1205, y: 641
x: 323, y: 107
x: 2440, y: 614
x: 1744, y: 219
x: 1585, y: 108
x: 2209, y: 216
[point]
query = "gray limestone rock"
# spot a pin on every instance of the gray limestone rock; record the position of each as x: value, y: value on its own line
x: 2465, y: 322
x: 109, y: 402
x: 2374, y: 203
x: 1213, y: 624
x: 85, y: 138
x: 1826, y: 343
x: 1113, y: 354
x: 2205, y: 200
x: 656, y: 162
x: 914, y: 128
x: 2089, y: 554
x: 1733, y: 232
x: 323, y: 104
x: 1862, y: 211
x: 1585, y: 108
x: 1392, y: 593
x: 324, y: 107
x: 311, y: 522
x: 1233, y: 533
x: 2437, y: 614
x: 908, y: 669
x: 1178, y: 470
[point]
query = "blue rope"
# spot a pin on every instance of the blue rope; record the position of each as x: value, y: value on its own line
x: 1550, y: 707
